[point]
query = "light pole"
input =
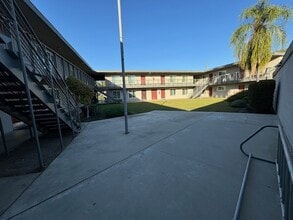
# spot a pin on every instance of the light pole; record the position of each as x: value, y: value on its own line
x: 122, y: 66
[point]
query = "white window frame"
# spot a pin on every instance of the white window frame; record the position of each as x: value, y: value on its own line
x: 184, y: 91
x: 131, y: 79
x: 131, y: 94
x: 116, y: 94
x: 221, y: 88
x: 116, y: 79
x: 172, y: 79
x: 172, y: 92
x: 184, y: 78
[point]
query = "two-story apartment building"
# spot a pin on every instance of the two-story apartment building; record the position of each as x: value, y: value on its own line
x: 150, y: 85
x: 228, y: 80
x: 222, y: 81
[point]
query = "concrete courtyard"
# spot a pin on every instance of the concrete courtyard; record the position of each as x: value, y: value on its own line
x: 172, y: 165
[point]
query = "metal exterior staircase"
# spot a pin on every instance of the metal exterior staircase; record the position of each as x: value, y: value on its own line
x: 54, y: 107
x: 199, y: 89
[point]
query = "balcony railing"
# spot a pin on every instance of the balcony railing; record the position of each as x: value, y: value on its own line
x: 199, y: 83
x: 138, y: 85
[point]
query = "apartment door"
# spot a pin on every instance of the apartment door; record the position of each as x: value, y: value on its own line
x: 142, y: 79
x: 162, y: 80
x: 241, y: 87
x: 163, y: 94
x: 154, y: 94
x: 210, y: 91
x: 143, y: 95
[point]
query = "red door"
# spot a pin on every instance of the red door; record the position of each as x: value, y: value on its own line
x: 241, y: 87
x: 162, y: 80
x: 210, y: 91
x: 163, y: 93
x: 154, y: 94
x: 143, y: 95
x: 142, y: 78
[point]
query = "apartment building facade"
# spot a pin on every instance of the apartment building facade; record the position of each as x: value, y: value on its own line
x: 222, y: 81
x: 149, y: 85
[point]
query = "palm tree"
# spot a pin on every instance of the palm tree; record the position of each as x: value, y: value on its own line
x: 263, y: 26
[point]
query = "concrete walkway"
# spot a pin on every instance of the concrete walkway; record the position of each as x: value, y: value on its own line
x: 172, y: 165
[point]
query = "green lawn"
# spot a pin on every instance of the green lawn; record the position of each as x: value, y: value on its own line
x: 200, y: 104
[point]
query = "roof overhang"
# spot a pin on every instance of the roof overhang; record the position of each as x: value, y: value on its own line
x: 48, y: 35
x: 155, y: 72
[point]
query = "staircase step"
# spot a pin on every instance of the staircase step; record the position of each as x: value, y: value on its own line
x: 4, y: 39
x: 47, y: 119
x: 4, y: 74
x: 13, y: 98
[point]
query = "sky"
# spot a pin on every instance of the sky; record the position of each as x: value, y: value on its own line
x: 157, y: 34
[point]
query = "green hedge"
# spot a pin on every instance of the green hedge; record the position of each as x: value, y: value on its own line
x: 239, y: 95
x: 80, y: 90
x: 260, y: 96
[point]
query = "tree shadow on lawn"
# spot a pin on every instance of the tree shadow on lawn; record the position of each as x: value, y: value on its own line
x: 222, y: 106
x: 106, y: 111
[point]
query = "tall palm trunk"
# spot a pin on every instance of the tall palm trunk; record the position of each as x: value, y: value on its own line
x: 257, y: 73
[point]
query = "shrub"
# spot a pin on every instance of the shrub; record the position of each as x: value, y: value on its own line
x: 116, y: 112
x: 81, y: 91
x: 260, y: 96
x: 239, y: 95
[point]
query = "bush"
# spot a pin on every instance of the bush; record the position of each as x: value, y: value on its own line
x: 80, y: 90
x: 116, y: 112
x: 239, y: 95
x: 260, y: 96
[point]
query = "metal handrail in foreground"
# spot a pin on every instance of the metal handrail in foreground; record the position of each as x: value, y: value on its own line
x: 239, y: 201
x: 242, y: 189
x: 251, y: 136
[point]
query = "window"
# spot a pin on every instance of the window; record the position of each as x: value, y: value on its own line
x: 66, y: 71
x: 131, y: 79
x: 184, y: 79
x: 221, y: 88
x: 52, y: 59
x: 116, y: 79
x: 116, y: 94
x: 184, y: 91
x: 172, y: 79
x: 222, y: 76
x: 172, y: 92
x: 222, y: 73
x: 131, y: 93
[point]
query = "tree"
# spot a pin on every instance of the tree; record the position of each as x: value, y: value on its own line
x: 262, y: 28
x: 80, y: 90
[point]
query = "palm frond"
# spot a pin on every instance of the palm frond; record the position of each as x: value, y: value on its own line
x: 253, y: 40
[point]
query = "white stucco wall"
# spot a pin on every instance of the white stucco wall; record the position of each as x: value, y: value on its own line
x: 283, y: 94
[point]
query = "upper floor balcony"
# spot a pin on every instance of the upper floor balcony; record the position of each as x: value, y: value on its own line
x: 147, y: 84
x: 207, y: 79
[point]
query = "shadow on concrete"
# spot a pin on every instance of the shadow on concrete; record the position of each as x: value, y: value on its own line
x: 23, y: 157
